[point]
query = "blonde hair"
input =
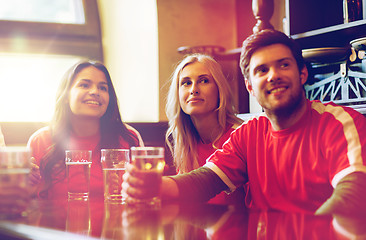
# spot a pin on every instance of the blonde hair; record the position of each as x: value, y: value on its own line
x: 182, y: 136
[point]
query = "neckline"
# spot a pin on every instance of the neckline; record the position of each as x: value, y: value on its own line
x: 301, y: 123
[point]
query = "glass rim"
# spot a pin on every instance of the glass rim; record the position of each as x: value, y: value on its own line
x: 70, y: 153
x: 146, y: 148
x: 89, y: 151
x: 115, y: 149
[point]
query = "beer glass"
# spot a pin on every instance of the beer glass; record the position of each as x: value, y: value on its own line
x: 15, y: 165
x: 150, y: 161
x: 113, y: 163
x: 78, y: 163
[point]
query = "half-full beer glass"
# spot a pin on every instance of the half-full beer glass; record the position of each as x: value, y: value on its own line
x: 114, y: 165
x: 78, y: 163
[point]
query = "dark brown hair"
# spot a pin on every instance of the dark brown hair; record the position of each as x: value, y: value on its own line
x: 111, y: 125
x: 265, y: 38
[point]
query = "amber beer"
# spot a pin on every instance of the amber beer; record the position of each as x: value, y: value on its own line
x: 15, y: 165
x: 113, y: 178
x: 113, y: 163
x: 150, y: 161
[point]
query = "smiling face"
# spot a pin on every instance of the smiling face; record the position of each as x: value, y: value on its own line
x: 198, y: 92
x: 275, y: 80
x: 88, y: 96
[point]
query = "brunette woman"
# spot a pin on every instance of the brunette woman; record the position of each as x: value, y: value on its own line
x: 86, y: 117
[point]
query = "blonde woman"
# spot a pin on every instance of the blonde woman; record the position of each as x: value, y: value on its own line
x: 201, y: 116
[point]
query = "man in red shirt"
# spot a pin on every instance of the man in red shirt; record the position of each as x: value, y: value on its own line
x: 300, y: 156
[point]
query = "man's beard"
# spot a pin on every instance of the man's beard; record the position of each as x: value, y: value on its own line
x: 293, y: 104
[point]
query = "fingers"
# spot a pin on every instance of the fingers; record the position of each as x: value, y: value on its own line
x: 35, y: 175
x: 133, y: 177
x: 131, y: 192
x: 134, y: 187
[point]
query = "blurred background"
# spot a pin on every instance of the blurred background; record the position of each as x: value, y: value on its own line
x: 137, y: 40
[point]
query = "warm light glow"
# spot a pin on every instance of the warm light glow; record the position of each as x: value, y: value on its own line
x: 131, y: 55
x: 55, y: 11
x: 29, y: 84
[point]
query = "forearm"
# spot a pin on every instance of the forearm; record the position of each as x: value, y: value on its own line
x: 199, y: 185
x: 169, y: 189
x: 348, y: 197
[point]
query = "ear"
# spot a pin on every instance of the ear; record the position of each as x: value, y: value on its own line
x: 249, y: 87
x: 304, y: 74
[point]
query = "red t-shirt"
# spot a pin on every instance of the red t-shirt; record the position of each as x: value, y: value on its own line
x: 40, y: 142
x: 294, y: 169
x: 204, y: 151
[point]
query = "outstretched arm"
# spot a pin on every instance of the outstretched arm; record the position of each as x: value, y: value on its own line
x: 199, y: 185
x: 134, y: 187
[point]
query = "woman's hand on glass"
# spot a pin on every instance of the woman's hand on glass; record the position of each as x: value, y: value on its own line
x: 35, y: 175
x: 133, y: 187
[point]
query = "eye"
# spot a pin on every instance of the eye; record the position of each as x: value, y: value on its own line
x: 104, y: 88
x: 260, y: 70
x: 186, y: 83
x: 83, y: 85
x: 285, y: 64
x: 204, y: 80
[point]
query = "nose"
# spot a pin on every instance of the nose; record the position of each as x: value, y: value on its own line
x: 194, y: 89
x: 94, y: 90
x: 273, y: 75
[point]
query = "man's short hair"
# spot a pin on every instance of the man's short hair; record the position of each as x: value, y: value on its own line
x: 265, y: 38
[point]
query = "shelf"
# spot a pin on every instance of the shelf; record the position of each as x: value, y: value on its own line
x: 316, y: 24
x: 331, y: 29
x: 335, y: 36
x: 232, y: 54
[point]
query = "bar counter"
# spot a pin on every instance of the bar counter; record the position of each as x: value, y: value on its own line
x: 95, y: 219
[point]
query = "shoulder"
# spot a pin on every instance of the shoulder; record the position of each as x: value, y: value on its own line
x: 251, y: 127
x: 252, y: 120
x: 136, y: 133
x: 332, y: 108
x: 42, y: 135
x: 39, y: 142
x: 339, y: 113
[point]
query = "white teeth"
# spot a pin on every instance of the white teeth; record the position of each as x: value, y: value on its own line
x: 277, y: 90
x: 92, y: 102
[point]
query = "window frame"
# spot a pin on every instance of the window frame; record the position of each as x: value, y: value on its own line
x: 55, y: 38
